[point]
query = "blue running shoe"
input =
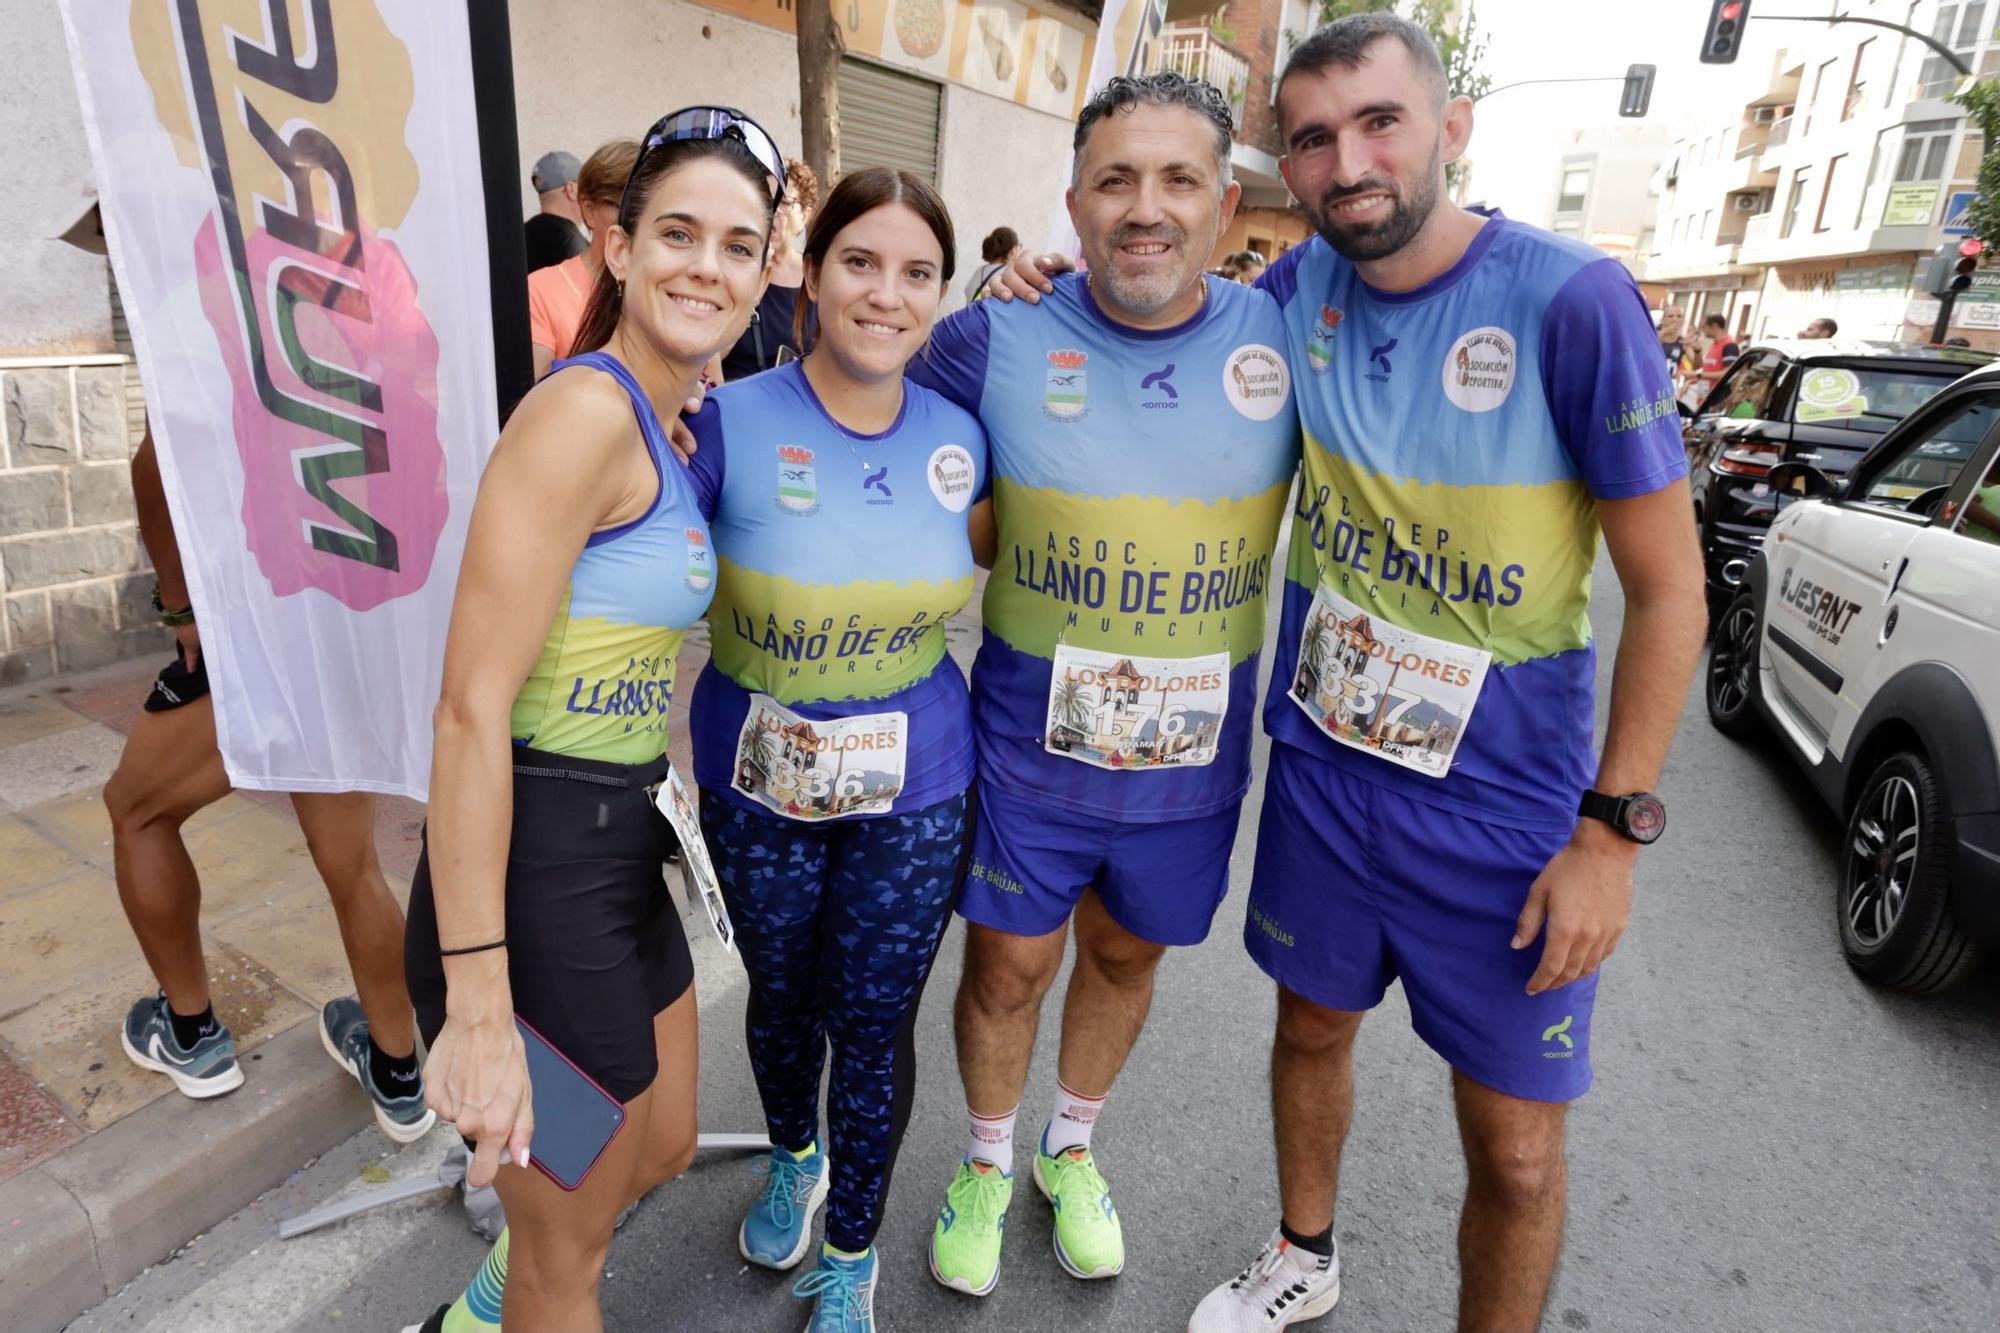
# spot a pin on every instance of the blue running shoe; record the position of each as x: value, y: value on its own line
x: 778, y: 1228
x: 843, y: 1291
x: 207, y: 1070
x: 343, y: 1030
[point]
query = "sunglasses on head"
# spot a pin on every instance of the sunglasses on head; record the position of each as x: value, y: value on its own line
x: 715, y: 122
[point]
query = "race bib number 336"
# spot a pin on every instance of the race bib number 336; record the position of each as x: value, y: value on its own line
x: 812, y: 768
x: 1123, y: 712
x: 1401, y: 696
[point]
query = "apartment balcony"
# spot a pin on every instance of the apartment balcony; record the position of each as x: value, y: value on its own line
x: 1758, y: 230
x: 1194, y: 51
x: 1781, y: 131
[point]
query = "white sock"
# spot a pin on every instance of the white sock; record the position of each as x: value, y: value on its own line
x: 993, y: 1140
x: 1075, y: 1115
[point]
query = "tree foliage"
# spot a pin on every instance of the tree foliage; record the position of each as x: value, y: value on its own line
x: 1982, y: 99
x: 1460, y: 46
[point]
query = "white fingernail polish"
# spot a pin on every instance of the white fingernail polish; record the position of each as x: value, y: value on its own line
x: 525, y: 1160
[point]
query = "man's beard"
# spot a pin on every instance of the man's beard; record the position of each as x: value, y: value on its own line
x: 1407, y: 216
x: 1150, y: 294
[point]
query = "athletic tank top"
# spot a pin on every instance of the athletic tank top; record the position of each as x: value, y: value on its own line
x: 603, y: 685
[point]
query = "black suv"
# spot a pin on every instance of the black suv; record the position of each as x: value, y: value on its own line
x: 1819, y: 401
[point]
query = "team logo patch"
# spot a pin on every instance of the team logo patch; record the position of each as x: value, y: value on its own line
x: 701, y: 561
x: 950, y: 475
x: 1479, y: 369
x: 1256, y: 381
x: 1319, y: 347
x: 798, y: 485
x: 1063, y: 395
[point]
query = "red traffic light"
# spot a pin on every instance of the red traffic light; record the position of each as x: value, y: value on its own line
x: 1731, y: 11
x: 1971, y: 247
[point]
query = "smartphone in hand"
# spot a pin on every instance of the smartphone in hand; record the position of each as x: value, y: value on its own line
x: 575, y: 1119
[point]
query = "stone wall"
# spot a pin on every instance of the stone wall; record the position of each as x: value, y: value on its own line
x: 73, y: 573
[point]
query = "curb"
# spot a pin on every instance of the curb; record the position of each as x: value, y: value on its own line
x: 102, y: 1210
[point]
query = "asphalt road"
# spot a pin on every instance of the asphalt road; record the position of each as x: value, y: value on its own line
x: 1771, y: 1145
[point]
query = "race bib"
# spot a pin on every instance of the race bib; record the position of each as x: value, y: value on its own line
x: 1122, y: 712
x: 697, y: 871
x: 1399, y: 695
x: 809, y: 769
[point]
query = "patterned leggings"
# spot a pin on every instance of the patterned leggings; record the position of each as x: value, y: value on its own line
x: 838, y: 926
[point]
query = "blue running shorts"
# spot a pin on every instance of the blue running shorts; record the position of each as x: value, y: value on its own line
x: 1031, y: 863
x: 1355, y: 887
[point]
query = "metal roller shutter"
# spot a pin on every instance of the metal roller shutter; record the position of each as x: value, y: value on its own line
x: 888, y: 119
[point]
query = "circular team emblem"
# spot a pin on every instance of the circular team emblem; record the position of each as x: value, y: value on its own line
x: 950, y: 475
x: 1479, y: 369
x: 1256, y: 381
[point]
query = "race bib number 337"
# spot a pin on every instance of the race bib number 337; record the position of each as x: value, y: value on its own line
x: 1124, y: 712
x: 1401, y: 696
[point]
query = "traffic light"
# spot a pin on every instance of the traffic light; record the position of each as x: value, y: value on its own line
x: 1951, y: 267
x: 1638, y: 94
x: 1725, y: 31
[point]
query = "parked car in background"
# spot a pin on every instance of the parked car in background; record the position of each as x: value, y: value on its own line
x: 1867, y: 634
x: 1819, y: 401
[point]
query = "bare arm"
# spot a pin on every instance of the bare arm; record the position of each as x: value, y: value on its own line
x: 1585, y: 894
x: 156, y: 530
x: 564, y: 466
x: 985, y: 534
x: 544, y: 358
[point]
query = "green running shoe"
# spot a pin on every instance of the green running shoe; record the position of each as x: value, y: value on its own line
x: 1090, y: 1242
x: 965, y: 1243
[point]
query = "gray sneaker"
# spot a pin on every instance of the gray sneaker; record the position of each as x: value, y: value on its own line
x: 343, y: 1030
x: 208, y: 1070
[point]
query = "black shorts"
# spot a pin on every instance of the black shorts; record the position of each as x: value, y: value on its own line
x: 595, y: 947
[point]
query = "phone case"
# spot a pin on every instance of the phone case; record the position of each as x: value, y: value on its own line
x: 618, y: 1129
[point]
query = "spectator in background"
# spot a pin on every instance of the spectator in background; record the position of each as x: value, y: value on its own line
x: 558, y: 293
x: 1672, y: 344
x: 1958, y: 342
x: 772, y: 338
x: 1248, y: 266
x: 996, y: 252
x: 1820, y: 328
x: 1719, y: 353
x: 555, y: 233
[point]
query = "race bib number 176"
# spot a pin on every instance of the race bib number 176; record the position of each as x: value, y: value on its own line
x: 1118, y: 711
x: 1401, y: 696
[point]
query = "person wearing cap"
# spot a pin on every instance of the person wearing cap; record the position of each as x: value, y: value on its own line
x: 555, y: 233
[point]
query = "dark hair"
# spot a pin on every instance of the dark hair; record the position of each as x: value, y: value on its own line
x: 859, y: 194
x: 1248, y: 259
x: 1163, y: 89
x: 1716, y: 322
x: 999, y: 243
x: 607, y: 298
x: 1345, y: 42
x: 1831, y: 327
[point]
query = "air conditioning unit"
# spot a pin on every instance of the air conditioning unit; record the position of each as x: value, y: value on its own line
x: 1743, y: 203
x: 1763, y: 115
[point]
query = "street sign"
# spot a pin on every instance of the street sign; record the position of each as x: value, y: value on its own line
x: 1955, y: 223
x: 1910, y: 206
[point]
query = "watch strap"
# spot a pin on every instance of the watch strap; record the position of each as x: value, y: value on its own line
x: 1610, y: 809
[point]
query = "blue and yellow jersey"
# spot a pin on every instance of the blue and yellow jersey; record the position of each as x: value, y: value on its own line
x: 603, y: 685
x: 842, y: 556
x: 1139, y: 477
x: 1456, y: 439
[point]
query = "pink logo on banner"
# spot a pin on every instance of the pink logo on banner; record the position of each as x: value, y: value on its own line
x: 334, y: 414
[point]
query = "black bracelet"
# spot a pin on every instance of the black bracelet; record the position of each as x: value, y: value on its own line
x: 500, y: 943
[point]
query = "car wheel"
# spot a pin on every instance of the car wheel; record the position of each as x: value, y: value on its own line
x: 1894, y: 905
x: 1732, y: 670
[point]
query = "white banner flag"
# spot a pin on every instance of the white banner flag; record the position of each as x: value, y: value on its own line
x: 291, y: 193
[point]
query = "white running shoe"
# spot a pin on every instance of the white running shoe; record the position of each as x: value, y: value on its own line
x: 1284, y: 1285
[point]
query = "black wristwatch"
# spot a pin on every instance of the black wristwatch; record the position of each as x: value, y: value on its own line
x: 1641, y: 816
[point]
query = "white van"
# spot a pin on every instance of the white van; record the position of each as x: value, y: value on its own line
x: 1868, y: 636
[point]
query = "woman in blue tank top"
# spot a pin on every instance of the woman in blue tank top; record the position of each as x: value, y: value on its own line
x: 540, y: 891
x: 832, y: 731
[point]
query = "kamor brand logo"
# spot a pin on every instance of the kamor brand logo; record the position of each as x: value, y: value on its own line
x: 1161, y: 380
x: 1380, y: 356
x: 878, y: 480
x: 1559, y: 1033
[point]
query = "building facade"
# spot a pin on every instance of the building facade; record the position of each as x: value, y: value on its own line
x: 1603, y: 192
x: 1822, y: 187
